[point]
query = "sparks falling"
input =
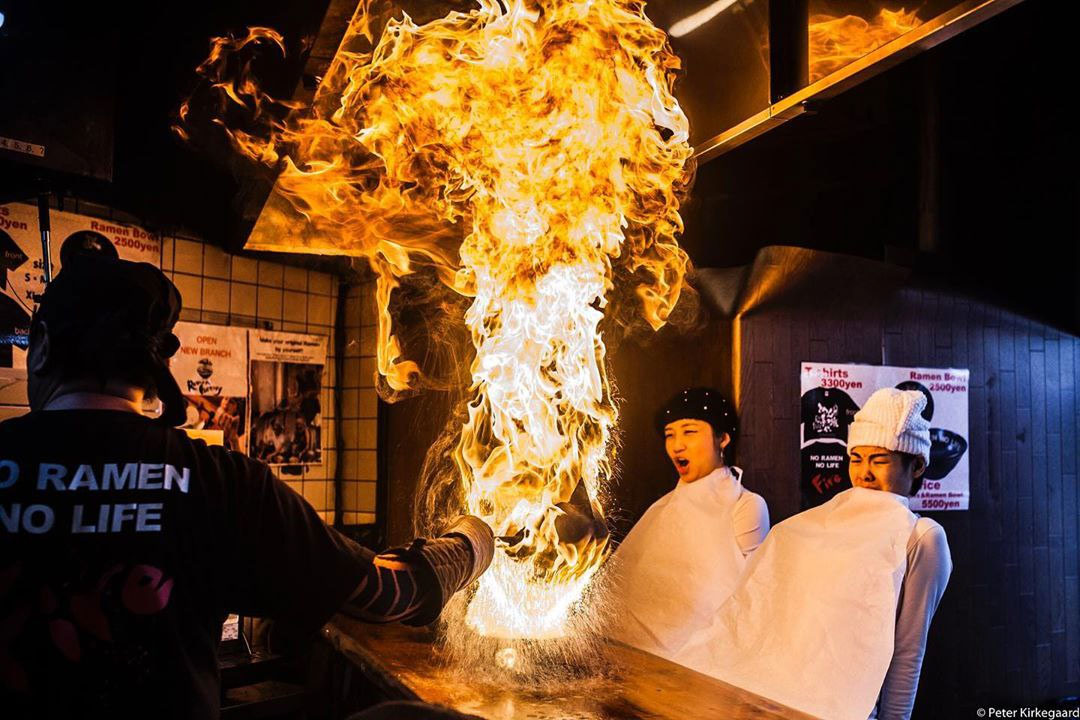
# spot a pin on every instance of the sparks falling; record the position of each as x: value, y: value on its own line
x: 524, y: 149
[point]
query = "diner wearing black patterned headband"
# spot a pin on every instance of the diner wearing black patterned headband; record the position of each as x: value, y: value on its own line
x: 682, y: 559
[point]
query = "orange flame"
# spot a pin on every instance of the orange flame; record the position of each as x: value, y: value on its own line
x: 524, y: 150
x: 837, y: 41
x: 228, y: 71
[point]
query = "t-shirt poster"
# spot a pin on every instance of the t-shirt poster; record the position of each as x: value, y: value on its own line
x: 211, y: 368
x: 22, y: 272
x: 286, y: 373
x: 832, y: 394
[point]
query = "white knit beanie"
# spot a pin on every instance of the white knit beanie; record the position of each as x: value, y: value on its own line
x: 892, y: 419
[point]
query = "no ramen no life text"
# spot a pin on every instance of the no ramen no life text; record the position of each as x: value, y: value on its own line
x: 50, y: 478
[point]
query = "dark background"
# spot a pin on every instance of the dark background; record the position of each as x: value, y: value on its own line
x: 79, y: 69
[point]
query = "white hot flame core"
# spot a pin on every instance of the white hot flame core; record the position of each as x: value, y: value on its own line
x: 542, y: 395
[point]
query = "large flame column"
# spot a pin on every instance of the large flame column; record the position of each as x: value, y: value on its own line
x: 529, y: 151
x: 537, y: 432
x: 568, y: 134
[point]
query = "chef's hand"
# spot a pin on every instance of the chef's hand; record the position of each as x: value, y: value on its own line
x: 481, y: 542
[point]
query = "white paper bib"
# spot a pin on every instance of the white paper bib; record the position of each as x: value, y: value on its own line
x: 678, y: 564
x: 813, y: 621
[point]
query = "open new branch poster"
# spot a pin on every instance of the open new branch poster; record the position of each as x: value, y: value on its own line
x: 211, y: 368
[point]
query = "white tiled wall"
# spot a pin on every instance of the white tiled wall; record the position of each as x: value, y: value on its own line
x: 223, y: 289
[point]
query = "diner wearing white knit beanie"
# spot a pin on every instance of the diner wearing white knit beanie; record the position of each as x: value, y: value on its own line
x: 892, y: 419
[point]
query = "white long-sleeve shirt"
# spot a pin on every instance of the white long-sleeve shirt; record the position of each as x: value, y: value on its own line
x: 929, y: 565
x: 750, y: 521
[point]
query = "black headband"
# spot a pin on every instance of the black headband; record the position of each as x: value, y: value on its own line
x: 699, y: 403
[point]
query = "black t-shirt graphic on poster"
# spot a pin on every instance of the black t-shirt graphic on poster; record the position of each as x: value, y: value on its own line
x: 124, y: 545
x: 826, y: 413
x: 824, y: 472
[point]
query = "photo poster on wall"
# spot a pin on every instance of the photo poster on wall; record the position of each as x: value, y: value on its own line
x: 831, y: 395
x: 286, y: 377
x: 22, y: 270
x: 211, y: 369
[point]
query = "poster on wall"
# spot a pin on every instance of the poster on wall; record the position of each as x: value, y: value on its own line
x: 831, y: 395
x: 211, y: 368
x: 286, y: 376
x: 22, y: 271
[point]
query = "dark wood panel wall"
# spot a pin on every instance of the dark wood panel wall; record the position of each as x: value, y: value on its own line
x: 1008, y: 629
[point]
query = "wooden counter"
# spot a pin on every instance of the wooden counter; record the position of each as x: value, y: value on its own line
x: 401, y: 662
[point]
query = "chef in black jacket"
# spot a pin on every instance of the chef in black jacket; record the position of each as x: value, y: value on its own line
x: 124, y: 544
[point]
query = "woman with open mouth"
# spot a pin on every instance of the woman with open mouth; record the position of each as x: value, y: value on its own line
x: 683, y: 558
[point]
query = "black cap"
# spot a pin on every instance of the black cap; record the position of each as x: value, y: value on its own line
x: 86, y: 242
x: 700, y: 403
x: 132, y: 304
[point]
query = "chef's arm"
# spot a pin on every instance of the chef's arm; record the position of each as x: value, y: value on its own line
x: 411, y: 584
x: 929, y: 567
